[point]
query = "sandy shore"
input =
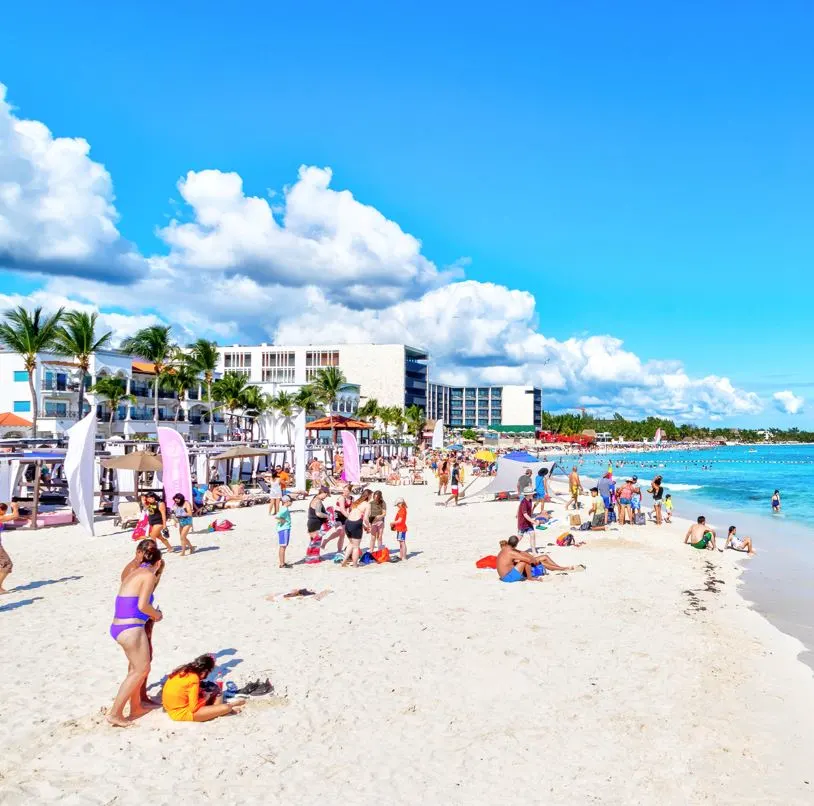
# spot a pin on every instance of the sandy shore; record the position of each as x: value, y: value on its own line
x: 646, y: 679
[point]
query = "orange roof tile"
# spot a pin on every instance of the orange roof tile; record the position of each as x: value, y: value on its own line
x: 9, y: 419
x: 147, y: 367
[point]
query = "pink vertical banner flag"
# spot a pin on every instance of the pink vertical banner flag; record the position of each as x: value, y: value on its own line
x: 175, y: 458
x: 350, y: 453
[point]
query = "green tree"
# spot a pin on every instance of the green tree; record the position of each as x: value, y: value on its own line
x: 77, y: 337
x: 415, y: 419
x: 114, y: 390
x: 369, y: 410
x: 29, y: 333
x: 203, y: 356
x: 180, y: 378
x: 255, y: 404
x: 283, y: 404
x: 327, y: 384
x: 469, y: 433
x: 231, y: 391
x: 154, y: 344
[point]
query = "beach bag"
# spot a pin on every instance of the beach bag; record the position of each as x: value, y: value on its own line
x: 220, y: 525
x: 538, y: 571
x: 584, y: 527
x: 641, y: 520
x: 141, y: 529
x: 565, y: 539
x: 489, y: 561
x: 367, y: 558
x: 382, y: 556
x: 574, y: 520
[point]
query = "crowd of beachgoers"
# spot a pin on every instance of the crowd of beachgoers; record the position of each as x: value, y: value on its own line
x: 348, y: 523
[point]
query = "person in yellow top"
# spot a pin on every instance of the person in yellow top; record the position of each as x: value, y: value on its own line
x: 183, y: 699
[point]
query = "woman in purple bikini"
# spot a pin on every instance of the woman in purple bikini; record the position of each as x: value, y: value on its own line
x: 134, y: 607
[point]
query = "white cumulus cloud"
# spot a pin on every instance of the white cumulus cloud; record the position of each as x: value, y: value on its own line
x: 56, y: 205
x: 318, y: 236
x: 314, y: 264
x: 787, y: 402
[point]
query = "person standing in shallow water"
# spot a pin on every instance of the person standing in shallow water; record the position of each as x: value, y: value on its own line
x: 776, y: 501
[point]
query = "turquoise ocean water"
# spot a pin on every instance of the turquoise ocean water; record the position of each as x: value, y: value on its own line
x: 740, y: 479
x: 734, y: 486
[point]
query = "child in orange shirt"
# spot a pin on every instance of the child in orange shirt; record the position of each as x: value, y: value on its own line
x: 182, y: 697
x: 399, y: 526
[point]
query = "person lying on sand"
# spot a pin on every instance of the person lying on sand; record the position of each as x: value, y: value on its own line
x: 738, y: 543
x: 183, y: 699
x: 516, y: 566
x: 700, y: 536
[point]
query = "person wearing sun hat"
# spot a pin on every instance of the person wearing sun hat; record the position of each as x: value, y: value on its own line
x: 525, y: 517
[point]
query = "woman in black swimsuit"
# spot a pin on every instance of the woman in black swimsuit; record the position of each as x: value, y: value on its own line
x: 357, y: 522
x: 657, y: 491
x: 156, y: 519
x: 316, y: 517
x: 343, y: 505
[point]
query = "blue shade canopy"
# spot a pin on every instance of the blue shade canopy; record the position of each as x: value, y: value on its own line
x: 521, y: 456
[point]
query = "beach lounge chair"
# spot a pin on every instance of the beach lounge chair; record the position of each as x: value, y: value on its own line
x: 128, y: 515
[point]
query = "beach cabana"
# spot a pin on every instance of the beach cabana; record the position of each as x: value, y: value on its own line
x: 510, y: 469
x: 324, y: 425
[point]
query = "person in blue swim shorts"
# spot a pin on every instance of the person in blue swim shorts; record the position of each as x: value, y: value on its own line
x: 518, y: 566
x: 283, y: 517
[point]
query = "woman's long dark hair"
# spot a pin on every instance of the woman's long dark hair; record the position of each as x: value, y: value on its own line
x: 201, y: 666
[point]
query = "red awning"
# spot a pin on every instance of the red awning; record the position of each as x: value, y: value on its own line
x: 339, y: 423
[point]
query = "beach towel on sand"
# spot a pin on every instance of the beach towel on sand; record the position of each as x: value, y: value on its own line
x: 489, y: 561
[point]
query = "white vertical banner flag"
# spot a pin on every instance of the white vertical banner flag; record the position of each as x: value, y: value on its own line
x: 438, y: 435
x: 79, y: 469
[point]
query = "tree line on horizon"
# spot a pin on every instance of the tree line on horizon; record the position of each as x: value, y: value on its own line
x: 618, y: 427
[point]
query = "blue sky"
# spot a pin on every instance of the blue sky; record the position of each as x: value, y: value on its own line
x: 649, y: 164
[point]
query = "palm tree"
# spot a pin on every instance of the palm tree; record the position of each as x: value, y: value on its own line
x: 255, y: 403
x: 415, y: 419
x: 77, y: 337
x: 307, y: 398
x: 283, y: 404
x: 231, y: 391
x: 386, y: 419
x: 203, y: 355
x: 114, y: 391
x: 155, y: 345
x: 28, y: 334
x: 180, y: 378
x: 369, y: 410
x: 398, y: 420
x: 328, y: 383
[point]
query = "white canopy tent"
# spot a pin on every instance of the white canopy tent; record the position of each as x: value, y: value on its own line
x: 509, y: 471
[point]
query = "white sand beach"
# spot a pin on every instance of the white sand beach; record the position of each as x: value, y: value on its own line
x: 644, y: 680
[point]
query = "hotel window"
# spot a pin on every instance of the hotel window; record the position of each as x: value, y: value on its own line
x: 317, y: 360
x: 20, y: 376
x: 239, y: 363
x: 56, y: 409
x: 22, y: 406
x: 278, y: 367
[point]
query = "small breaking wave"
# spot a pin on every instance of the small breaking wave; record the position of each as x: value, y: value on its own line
x: 683, y: 487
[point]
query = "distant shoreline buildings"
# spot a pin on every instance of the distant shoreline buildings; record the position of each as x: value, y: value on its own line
x: 392, y: 374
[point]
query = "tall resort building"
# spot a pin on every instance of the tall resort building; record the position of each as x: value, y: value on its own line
x: 486, y: 407
x: 392, y: 374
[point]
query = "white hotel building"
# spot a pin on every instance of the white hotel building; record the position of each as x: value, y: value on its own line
x: 392, y: 374
x: 56, y: 381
